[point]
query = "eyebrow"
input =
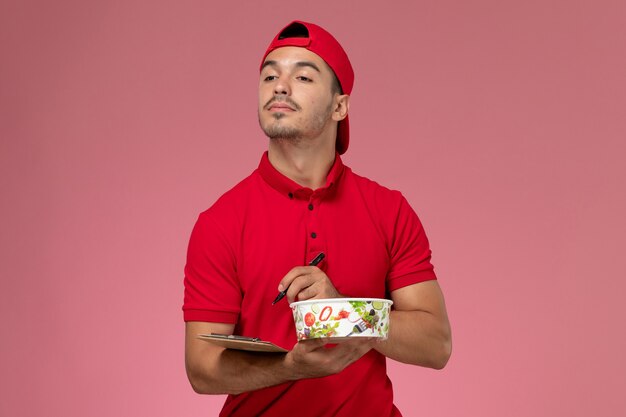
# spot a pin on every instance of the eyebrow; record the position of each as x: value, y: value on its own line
x: 298, y: 64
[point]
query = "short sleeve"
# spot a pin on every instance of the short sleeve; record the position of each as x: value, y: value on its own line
x: 212, y: 290
x: 410, y: 251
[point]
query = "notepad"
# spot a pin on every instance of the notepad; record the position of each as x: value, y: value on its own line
x: 230, y: 341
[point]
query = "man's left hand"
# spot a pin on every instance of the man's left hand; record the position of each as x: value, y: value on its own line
x: 306, y: 282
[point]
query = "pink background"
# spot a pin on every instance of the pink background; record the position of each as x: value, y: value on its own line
x: 503, y: 122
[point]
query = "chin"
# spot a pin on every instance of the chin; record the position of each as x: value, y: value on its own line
x: 282, y: 132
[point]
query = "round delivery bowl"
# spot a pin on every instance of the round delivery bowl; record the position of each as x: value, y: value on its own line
x: 341, y: 318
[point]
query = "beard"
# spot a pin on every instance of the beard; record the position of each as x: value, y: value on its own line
x: 277, y: 130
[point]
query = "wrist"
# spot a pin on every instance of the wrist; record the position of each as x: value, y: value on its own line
x: 289, y: 367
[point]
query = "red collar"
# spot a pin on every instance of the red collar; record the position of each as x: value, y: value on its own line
x: 292, y: 189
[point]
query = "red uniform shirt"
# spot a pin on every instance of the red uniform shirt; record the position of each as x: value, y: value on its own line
x: 243, y: 245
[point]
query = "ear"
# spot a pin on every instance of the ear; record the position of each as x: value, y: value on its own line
x: 342, y: 105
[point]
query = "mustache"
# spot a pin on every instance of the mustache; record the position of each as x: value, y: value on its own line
x: 282, y: 99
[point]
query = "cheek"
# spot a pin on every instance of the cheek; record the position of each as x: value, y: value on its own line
x: 316, y: 100
x: 310, y: 101
x: 265, y: 93
x: 317, y: 105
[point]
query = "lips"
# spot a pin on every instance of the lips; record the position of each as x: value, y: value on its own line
x: 281, y: 107
x: 281, y: 104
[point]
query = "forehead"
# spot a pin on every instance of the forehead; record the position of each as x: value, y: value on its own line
x: 288, y: 56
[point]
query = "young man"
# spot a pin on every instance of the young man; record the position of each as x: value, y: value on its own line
x: 255, y: 240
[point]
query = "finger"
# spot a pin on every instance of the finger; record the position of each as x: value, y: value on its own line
x: 321, y: 287
x: 310, y: 345
x: 309, y: 292
x: 298, y: 285
x: 355, y: 345
x: 292, y: 275
x: 350, y: 351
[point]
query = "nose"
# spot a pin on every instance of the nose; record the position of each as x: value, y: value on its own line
x: 282, y: 86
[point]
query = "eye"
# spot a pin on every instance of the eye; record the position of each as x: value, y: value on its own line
x: 270, y: 78
x: 305, y: 79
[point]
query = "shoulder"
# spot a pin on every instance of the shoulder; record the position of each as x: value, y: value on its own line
x: 230, y: 207
x: 382, y: 197
x: 236, y: 196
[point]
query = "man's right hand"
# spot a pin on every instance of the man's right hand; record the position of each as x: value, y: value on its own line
x: 312, y: 358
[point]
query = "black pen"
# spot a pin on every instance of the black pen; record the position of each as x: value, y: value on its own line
x: 314, y: 262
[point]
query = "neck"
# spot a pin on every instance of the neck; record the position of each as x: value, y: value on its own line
x: 306, y: 165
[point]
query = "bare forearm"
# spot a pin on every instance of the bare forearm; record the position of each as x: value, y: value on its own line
x: 418, y: 338
x: 213, y: 370
x: 234, y: 372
